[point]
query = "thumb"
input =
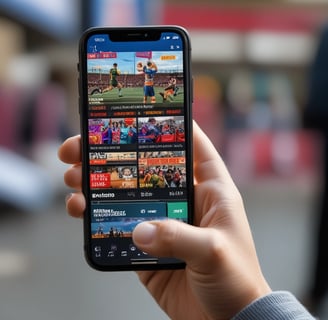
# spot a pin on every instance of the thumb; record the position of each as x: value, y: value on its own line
x: 171, y: 238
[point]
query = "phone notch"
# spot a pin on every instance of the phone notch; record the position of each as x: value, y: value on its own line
x: 135, y: 35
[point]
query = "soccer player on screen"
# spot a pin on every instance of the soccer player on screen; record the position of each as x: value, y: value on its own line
x: 171, y: 89
x: 113, y: 82
x: 149, y: 70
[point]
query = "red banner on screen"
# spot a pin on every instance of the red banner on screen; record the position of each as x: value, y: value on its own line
x: 145, y: 54
x: 102, y: 55
x: 99, y: 180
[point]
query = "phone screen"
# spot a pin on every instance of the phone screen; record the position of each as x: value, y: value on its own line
x: 135, y: 105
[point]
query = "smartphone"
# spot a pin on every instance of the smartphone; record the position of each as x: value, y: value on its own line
x: 135, y: 108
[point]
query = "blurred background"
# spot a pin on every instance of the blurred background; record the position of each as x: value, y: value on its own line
x: 260, y: 94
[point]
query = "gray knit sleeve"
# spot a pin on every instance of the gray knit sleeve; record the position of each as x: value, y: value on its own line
x: 279, y: 305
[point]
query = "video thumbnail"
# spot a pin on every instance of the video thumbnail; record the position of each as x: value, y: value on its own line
x: 112, y: 131
x: 116, y: 177
x: 118, y: 227
x: 136, y: 77
x: 161, y: 129
x: 103, y: 158
x: 166, y: 169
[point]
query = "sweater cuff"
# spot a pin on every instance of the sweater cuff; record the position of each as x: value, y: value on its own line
x: 279, y: 305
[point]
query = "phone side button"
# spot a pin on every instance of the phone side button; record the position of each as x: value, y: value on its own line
x: 144, y: 261
x: 192, y: 90
x: 79, y: 91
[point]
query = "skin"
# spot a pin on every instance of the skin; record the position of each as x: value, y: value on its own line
x: 222, y: 273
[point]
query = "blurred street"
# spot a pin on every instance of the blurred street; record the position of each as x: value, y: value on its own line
x: 254, y: 96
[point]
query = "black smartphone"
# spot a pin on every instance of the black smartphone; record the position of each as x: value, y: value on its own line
x: 136, y: 128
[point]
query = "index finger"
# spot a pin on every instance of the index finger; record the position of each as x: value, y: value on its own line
x: 207, y: 162
x: 208, y: 165
x: 70, y: 150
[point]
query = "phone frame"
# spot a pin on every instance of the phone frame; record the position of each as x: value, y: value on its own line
x: 140, y: 33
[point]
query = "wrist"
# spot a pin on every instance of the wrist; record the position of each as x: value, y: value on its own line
x: 277, y: 305
x: 250, y: 296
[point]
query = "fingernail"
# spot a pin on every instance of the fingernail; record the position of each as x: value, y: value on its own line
x: 144, y: 233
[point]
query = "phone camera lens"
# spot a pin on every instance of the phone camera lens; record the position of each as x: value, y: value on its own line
x: 146, y: 35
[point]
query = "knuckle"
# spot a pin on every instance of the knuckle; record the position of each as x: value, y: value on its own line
x: 216, y: 247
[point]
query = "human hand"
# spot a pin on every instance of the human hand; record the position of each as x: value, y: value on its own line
x: 222, y: 273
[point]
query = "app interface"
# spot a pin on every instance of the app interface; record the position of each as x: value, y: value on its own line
x: 137, y: 141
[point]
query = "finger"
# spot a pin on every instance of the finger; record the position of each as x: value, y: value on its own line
x: 207, y: 161
x: 73, y: 177
x: 70, y: 150
x: 172, y: 238
x: 75, y: 204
